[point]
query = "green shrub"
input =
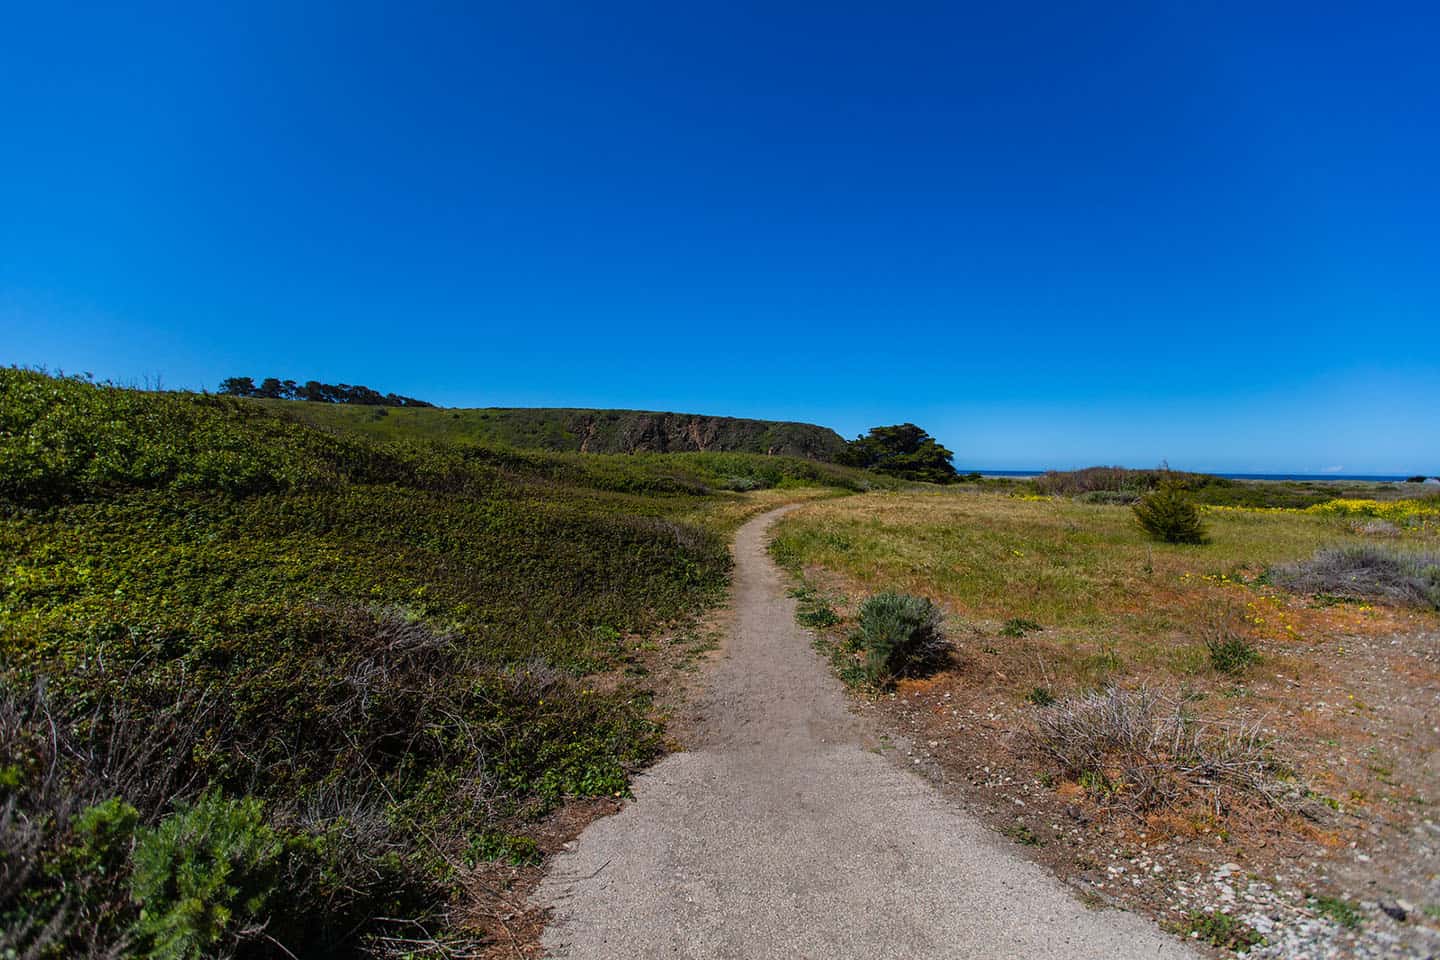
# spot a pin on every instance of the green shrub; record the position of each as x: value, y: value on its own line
x: 103, y: 835
x: 202, y: 875
x: 1167, y: 514
x: 900, y: 635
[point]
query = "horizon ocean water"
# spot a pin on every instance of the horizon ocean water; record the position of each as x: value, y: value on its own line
x: 1353, y: 477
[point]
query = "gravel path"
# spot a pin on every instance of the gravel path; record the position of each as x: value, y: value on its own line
x: 784, y: 833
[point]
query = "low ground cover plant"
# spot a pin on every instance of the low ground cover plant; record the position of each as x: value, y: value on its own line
x: 1019, y: 627
x: 1230, y: 654
x: 1412, y: 512
x: 1221, y: 930
x: 813, y: 609
x: 1342, y: 911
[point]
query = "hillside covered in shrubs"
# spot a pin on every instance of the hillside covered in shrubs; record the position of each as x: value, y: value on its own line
x: 273, y: 690
x: 587, y: 431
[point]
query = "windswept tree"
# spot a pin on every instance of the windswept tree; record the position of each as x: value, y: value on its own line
x: 272, y: 388
x: 903, y: 450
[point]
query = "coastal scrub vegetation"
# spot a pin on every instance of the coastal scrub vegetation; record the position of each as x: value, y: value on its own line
x: 271, y: 690
x: 1122, y: 485
x: 576, y: 431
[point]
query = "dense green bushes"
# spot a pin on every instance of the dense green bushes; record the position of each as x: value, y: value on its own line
x: 344, y: 660
x: 65, y: 439
x: 203, y: 874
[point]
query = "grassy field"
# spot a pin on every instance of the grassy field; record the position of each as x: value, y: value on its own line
x: 264, y: 684
x: 1084, y: 571
x: 591, y: 431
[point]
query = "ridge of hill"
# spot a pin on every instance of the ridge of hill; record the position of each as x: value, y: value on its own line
x: 579, y: 430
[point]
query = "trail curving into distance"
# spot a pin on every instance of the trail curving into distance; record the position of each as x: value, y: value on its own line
x: 781, y: 833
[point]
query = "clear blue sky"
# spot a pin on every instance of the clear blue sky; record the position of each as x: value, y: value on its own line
x: 1051, y: 233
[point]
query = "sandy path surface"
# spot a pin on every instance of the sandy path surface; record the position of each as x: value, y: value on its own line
x: 783, y: 833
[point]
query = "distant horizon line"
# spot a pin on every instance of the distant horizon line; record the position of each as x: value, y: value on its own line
x: 1228, y: 474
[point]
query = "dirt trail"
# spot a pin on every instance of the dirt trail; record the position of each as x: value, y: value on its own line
x: 783, y: 833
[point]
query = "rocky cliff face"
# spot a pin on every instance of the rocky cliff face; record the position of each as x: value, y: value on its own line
x: 574, y: 429
x: 625, y: 431
x: 643, y: 431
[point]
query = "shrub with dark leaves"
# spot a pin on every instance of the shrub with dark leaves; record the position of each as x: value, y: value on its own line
x: 1167, y: 514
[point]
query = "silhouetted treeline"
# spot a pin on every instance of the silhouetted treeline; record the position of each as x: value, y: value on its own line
x: 272, y: 388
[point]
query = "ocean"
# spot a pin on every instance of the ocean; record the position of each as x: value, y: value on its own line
x: 1362, y: 477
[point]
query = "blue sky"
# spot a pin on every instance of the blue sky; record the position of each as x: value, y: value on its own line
x: 1053, y: 234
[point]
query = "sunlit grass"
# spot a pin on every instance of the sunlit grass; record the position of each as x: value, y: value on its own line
x: 1056, y: 561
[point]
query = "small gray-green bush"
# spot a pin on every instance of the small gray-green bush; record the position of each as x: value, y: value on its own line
x: 901, y: 635
x: 1367, y: 571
